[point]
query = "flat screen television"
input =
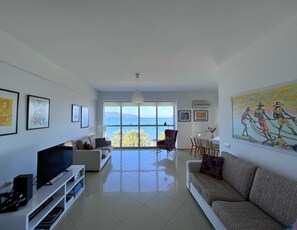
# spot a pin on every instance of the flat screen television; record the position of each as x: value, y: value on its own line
x: 51, y: 162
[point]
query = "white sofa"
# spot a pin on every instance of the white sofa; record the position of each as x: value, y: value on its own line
x: 94, y: 159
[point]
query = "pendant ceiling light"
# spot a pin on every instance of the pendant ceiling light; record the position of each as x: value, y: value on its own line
x: 137, y: 97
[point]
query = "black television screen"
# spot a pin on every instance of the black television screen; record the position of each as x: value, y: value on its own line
x: 51, y: 162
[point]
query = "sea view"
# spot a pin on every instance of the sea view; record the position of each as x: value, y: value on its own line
x: 148, y: 125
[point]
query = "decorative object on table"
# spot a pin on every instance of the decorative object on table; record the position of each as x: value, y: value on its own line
x: 137, y: 97
x: 184, y: 115
x: 211, y: 131
x: 9, y: 103
x: 75, y: 113
x: 200, y: 115
x: 84, y: 117
x: 38, y: 112
x: 267, y: 117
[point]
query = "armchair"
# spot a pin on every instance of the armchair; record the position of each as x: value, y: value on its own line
x: 169, y: 142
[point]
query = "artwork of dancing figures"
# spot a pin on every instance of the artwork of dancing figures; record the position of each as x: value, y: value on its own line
x: 267, y: 117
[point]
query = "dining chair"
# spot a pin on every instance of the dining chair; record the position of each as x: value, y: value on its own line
x: 193, y: 145
x: 199, y: 147
x: 206, y: 146
x: 215, y: 148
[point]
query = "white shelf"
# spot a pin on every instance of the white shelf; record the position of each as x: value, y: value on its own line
x: 58, y: 191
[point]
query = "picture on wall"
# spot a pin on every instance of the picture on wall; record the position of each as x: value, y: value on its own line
x: 267, y: 117
x: 200, y: 115
x: 75, y: 113
x: 9, y: 101
x: 38, y: 111
x: 184, y: 115
x: 84, y: 117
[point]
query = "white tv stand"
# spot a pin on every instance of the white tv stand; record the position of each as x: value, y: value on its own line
x: 62, y: 192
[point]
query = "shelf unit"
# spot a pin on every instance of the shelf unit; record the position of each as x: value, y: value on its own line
x: 25, y: 219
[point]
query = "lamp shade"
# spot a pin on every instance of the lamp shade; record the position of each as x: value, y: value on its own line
x: 137, y: 97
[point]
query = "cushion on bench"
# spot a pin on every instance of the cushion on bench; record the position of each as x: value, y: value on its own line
x: 244, y: 215
x: 212, y: 189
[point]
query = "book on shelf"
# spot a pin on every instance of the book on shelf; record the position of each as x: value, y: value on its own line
x: 50, y: 218
x: 77, y: 188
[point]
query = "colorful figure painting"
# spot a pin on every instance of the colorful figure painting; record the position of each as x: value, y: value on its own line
x: 267, y: 117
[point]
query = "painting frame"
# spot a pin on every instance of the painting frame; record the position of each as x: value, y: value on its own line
x: 9, y: 105
x: 38, y: 112
x: 75, y: 112
x: 267, y: 117
x: 200, y: 115
x: 184, y: 115
x: 84, y: 117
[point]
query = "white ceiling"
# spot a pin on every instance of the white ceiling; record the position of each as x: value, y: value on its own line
x: 174, y: 44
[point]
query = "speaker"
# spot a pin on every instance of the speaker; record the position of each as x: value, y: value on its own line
x: 24, y: 184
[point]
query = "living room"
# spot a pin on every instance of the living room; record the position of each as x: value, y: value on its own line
x: 267, y: 60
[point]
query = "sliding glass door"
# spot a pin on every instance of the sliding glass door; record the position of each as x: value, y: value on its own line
x: 130, y: 125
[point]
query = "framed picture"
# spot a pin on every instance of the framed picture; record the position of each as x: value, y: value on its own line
x: 267, y: 117
x: 9, y: 103
x: 84, y: 117
x: 184, y: 115
x: 75, y: 113
x: 38, y: 111
x: 200, y: 115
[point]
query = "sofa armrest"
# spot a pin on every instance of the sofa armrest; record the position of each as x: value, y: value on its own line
x: 192, y: 166
x: 90, y: 158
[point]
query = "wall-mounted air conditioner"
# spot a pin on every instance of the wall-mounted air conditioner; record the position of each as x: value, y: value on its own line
x: 200, y: 104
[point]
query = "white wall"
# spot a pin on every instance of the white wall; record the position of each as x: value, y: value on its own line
x: 269, y: 61
x: 184, y: 102
x: 24, y: 71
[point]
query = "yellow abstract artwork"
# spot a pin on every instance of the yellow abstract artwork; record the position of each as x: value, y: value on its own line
x: 6, y: 110
x: 267, y: 117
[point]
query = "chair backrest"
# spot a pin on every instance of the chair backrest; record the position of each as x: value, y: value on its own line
x: 171, y: 134
x: 198, y: 141
x: 192, y: 140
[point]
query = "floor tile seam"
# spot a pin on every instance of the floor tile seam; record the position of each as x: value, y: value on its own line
x: 181, y: 206
x: 156, y: 212
x: 132, y: 213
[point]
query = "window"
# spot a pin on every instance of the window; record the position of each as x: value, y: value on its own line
x: 130, y: 125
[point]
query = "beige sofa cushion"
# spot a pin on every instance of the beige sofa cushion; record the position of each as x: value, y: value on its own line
x: 92, y: 141
x: 244, y: 215
x: 276, y: 195
x: 238, y: 173
x: 212, y: 189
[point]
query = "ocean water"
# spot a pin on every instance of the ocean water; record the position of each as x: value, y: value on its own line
x: 148, y: 125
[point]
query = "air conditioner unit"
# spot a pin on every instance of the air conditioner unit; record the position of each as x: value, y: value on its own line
x: 200, y: 104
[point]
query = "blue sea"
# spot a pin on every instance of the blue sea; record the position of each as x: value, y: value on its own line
x: 148, y: 125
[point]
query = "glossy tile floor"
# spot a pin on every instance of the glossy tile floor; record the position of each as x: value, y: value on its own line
x: 137, y: 190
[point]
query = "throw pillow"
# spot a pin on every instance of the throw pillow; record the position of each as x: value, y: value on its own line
x: 87, y: 146
x: 212, y: 166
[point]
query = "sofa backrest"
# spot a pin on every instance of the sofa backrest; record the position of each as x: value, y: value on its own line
x: 238, y: 173
x: 275, y: 195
